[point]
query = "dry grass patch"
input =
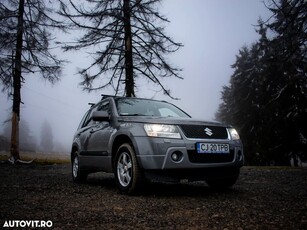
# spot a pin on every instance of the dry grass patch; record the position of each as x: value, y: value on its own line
x: 42, y: 158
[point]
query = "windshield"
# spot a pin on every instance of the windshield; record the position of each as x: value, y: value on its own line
x: 144, y: 107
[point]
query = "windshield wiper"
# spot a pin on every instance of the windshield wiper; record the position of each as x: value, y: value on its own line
x: 133, y: 114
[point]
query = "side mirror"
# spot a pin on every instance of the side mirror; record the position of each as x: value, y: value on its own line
x: 100, y: 116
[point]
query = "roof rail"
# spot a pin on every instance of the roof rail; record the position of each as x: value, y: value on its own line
x: 106, y: 96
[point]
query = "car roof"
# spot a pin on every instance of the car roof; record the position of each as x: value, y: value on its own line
x: 104, y: 96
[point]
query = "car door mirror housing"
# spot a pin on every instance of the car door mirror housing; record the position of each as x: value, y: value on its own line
x: 100, y: 116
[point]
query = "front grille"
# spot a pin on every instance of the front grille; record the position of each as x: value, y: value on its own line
x: 195, y: 157
x: 204, y: 131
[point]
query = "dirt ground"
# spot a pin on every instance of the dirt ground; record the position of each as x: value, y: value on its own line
x: 263, y: 198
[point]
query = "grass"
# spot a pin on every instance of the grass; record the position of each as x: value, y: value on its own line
x: 41, y: 158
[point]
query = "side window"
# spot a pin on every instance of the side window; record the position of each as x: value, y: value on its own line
x: 104, y: 106
x: 84, y: 119
x: 87, y: 119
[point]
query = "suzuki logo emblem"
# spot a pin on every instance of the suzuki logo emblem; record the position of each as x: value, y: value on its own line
x: 208, y: 131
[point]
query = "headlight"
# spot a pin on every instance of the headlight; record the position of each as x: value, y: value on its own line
x: 159, y: 130
x: 234, y: 134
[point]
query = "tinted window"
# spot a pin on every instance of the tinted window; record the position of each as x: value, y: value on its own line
x: 104, y: 106
x: 88, y: 119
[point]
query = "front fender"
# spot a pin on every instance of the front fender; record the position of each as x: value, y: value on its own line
x: 127, y: 132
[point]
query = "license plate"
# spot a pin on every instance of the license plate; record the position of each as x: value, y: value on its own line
x: 214, y: 148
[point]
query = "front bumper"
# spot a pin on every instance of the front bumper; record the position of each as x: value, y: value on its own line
x: 160, y: 154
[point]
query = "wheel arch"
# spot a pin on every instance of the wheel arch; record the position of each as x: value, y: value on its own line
x: 118, y: 141
x: 73, y: 150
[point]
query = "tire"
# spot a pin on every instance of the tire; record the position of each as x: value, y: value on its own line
x: 222, y: 183
x: 78, y: 176
x: 128, y: 174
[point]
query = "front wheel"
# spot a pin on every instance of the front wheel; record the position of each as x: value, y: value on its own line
x: 128, y: 175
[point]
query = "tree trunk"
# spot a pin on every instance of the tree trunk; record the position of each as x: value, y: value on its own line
x: 129, y: 81
x: 17, y: 86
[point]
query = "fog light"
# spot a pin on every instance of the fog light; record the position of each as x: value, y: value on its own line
x: 176, y: 156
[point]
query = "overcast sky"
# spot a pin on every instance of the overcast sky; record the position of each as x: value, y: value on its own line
x: 212, y: 32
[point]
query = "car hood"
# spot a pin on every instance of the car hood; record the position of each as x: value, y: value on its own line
x: 168, y: 120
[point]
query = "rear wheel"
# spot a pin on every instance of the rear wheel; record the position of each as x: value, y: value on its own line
x: 78, y: 176
x: 128, y: 175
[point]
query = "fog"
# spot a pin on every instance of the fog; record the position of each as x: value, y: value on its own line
x: 212, y: 33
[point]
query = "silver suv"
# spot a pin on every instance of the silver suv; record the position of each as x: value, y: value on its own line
x: 141, y: 139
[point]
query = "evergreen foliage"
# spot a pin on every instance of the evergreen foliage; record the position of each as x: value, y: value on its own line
x: 267, y: 96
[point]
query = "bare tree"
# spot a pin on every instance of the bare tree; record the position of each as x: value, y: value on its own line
x: 25, y: 49
x: 129, y: 42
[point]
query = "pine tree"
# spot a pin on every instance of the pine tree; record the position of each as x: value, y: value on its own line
x: 267, y: 96
x: 289, y: 58
x: 46, y: 142
x: 129, y: 43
